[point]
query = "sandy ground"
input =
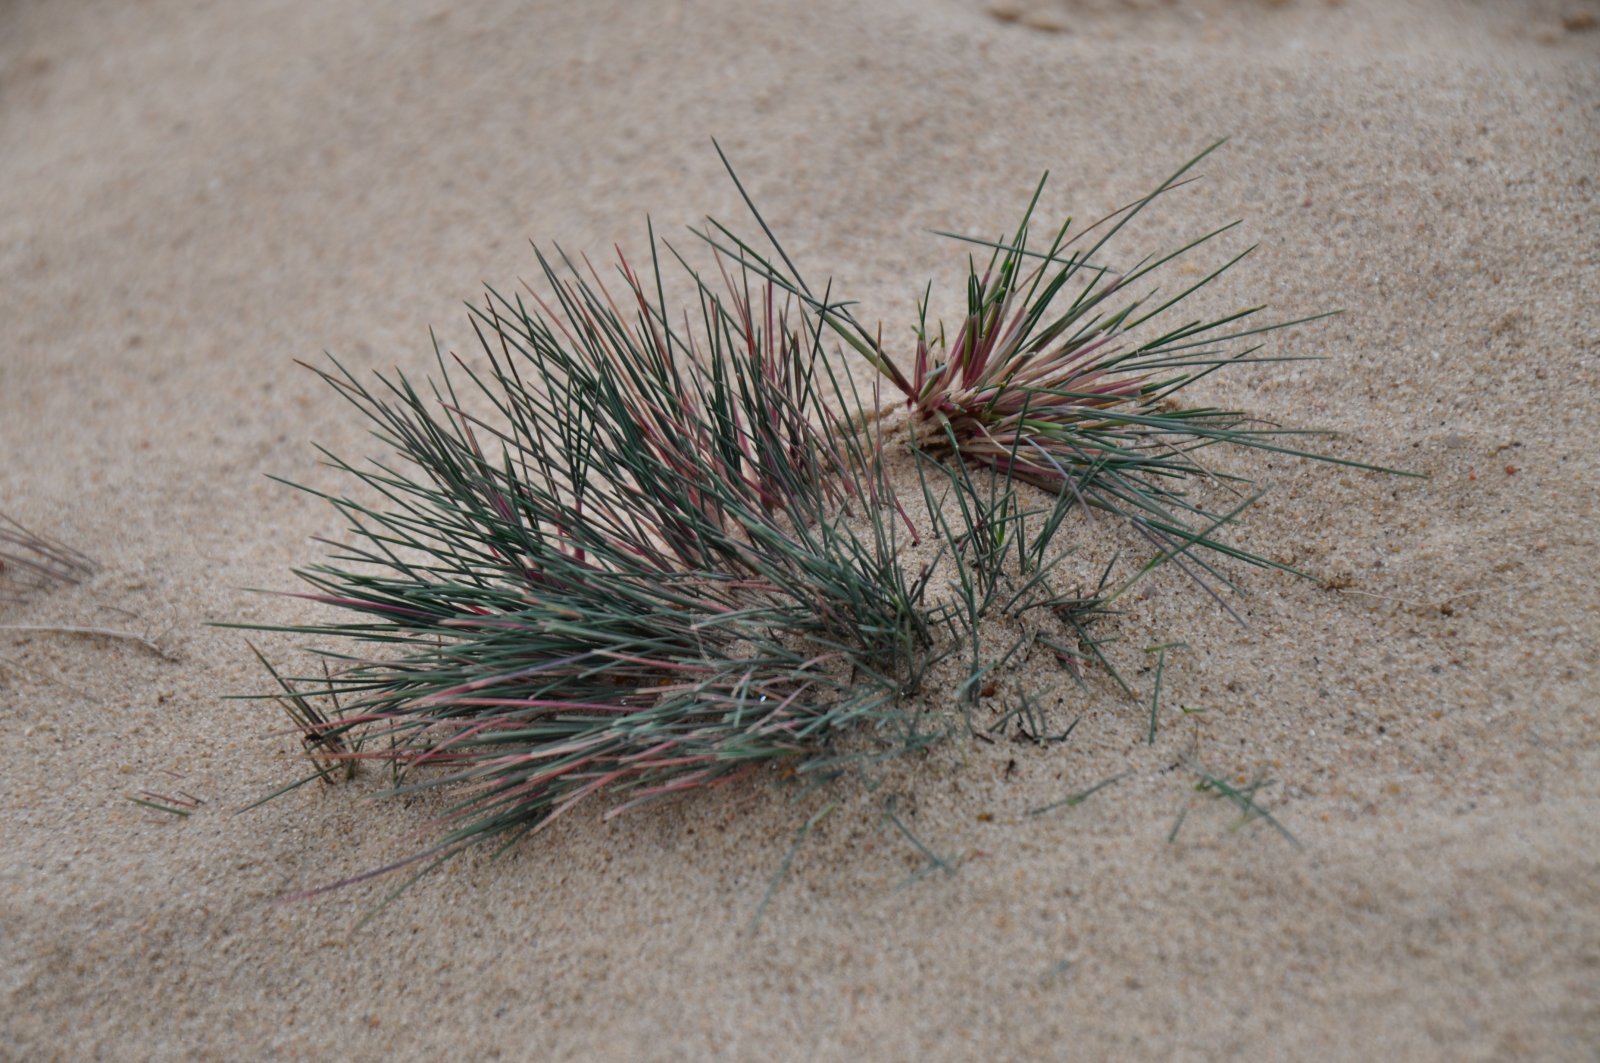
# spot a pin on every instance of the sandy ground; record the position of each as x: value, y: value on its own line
x: 192, y: 195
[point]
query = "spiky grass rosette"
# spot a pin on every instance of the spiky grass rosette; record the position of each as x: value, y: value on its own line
x: 1061, y: 376
x: 626, y: 553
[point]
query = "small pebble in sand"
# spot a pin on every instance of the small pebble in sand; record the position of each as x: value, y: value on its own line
x: 1048, y: 21
x: 1034, y: 16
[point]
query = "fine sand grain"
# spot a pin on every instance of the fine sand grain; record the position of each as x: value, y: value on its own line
x: 193, y: 194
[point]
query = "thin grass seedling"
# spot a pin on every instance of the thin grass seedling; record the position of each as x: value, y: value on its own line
x: 782, y: 873
x: 1242, y: 796
x: 1177, y: 825
x: 183, y: 806
x: 1155, y: 693
x: 934, y: 862
x: 1074, y: 800
x: 1032, y: 724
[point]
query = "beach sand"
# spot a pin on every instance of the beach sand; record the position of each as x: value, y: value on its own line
x: 195, y: 194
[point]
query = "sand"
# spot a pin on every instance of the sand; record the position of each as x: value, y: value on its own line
x: 193, y: 195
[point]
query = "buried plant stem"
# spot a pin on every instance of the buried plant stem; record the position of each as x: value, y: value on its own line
x: 91, y: 632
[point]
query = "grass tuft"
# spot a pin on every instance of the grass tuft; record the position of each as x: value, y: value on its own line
x: 1069, y: 374
x: 632, y: 553
x: 30, y: 561
x: 637, y: 549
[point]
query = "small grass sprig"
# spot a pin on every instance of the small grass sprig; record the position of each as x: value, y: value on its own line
x: 1242, y: 795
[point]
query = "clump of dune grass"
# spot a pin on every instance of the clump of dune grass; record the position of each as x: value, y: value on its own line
x: 1068, y: 373
x: 30, y: 561
x: 629, y: 550
x: 626, y: 553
